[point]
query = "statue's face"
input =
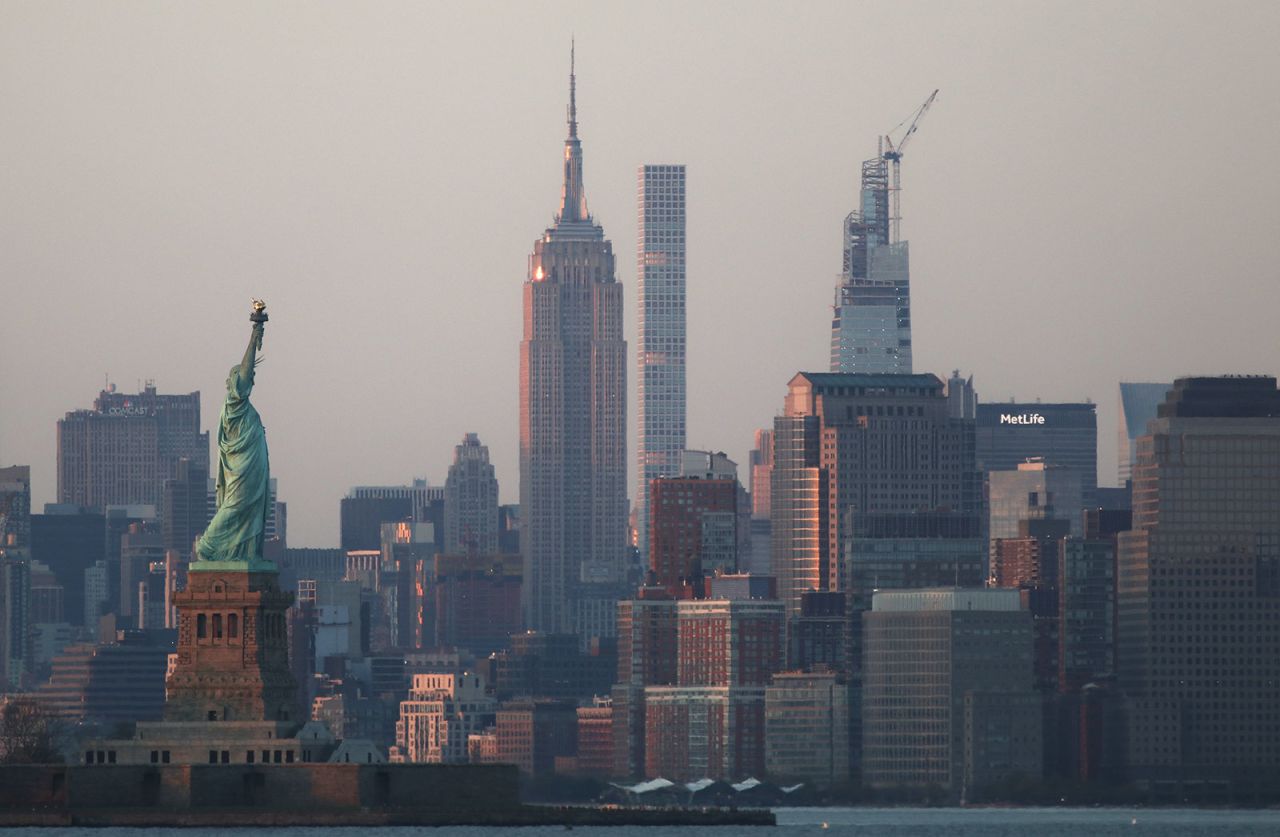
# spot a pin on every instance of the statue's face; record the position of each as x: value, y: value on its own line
x: 231, y: 378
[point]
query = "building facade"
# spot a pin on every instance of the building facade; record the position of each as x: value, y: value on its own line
x: 660, y: 309
x: 853, y: 456
x: 1199, y: 588
x: 472, y: 601
x: 806, y: 728
x: 16, y: 625
x: 697, y: 732
x: 729, y: 642
x: 367, y: 507
x: 1064, y: 434
x: 693, y: 531
x: 871, y: 320
x: 646, y: 657
x: 471, y: 501
x: 184, y: 510
x: 1138, y: 404
x: 15, y: 506
x: 122, y: 451
x: 948, y: 700
x: 440, y: 714
x: 1034, y: 490
x: 573, y: 419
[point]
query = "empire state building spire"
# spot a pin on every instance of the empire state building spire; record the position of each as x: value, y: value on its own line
x: 573, y: 197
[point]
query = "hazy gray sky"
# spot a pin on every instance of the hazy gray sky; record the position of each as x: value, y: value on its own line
x: 1093, y: 198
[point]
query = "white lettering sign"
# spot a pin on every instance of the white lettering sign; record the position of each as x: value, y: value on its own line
x: 1023, y: 418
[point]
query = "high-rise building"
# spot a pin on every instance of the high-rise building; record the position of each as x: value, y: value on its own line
x: 573, y: 499
x: 756, y: 559
x: 862, y: 455
x: 818, y: 638
x: 471, y: 501
x: 1199, y: 589
x: 185, y: 510
x: 407, y: 551
x: 472, y: 601
x: 947, y: 697
x: 15, y: 616
x: 660, y: 308
x: 1035, y: 489
x: 72, y: 541
x: 1030, y: 563
x: 15, y: 506
x: 1058, y: 434
x: 729, y: 642
x: 1138, y: 403
x: 761, y: 465
x: 140, y: 548
x: 47, y: 599
x: 693, y: 531
x: 646, y: 657
x: 1087, y: 603
x: 710, y: 723
x: 367, y: 507
x: 962, y: 398
x: 96, y: 591
x: 122, y: 451
x: 871, y: 322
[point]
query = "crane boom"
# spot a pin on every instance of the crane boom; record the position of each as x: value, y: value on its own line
x: 893, y: 154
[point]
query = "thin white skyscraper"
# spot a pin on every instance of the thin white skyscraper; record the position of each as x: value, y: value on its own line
x: 660, y: 271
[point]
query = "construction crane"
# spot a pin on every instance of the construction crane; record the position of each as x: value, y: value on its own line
x: 893, y: 153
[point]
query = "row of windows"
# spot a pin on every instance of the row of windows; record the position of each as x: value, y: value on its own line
x: 213, y: 626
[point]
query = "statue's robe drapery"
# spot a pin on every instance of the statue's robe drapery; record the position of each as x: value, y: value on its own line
x: 243, y: 489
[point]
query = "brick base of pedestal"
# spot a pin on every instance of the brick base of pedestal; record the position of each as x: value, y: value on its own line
x: 233, y: 650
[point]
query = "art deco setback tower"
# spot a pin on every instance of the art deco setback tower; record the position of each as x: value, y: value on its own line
x: 660, y: 271
x: 471, y: 501
x: 573, y: 419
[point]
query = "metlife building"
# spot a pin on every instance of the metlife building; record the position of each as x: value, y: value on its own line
x: 1061, y: 434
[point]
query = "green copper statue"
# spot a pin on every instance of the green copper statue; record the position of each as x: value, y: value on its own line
x: 243, y: 490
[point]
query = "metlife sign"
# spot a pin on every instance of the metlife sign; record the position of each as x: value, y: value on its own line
x: 1021, y: 418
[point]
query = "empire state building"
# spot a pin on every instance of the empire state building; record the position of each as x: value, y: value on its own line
x: 573, y: 419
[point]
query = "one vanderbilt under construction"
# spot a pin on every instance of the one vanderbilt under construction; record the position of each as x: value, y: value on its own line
x: 871, y: 321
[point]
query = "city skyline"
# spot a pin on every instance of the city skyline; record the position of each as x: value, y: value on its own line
x: 160, y: 213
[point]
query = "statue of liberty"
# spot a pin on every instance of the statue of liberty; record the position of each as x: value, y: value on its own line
x: 243, y: 488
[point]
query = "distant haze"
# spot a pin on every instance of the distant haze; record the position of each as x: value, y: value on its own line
x: 1093, y: 198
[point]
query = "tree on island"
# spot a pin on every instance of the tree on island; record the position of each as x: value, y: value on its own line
x: 30, y: 733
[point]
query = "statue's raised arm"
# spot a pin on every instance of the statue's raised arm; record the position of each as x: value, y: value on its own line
x: 235, y: 534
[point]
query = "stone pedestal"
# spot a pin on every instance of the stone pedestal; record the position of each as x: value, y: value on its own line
x: 233, y: 649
